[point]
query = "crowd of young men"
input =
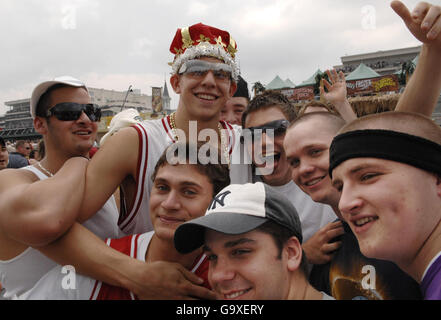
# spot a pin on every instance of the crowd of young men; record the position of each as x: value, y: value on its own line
x: 261, y: 234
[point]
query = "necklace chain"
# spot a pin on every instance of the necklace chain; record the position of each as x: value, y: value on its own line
x: 46, y: 171
x: 224, y: 141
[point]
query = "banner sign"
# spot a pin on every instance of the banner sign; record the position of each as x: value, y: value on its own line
x: 300, y: 94
x: 373, y: 85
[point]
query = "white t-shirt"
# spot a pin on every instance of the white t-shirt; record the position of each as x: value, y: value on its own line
x: 313, y: 215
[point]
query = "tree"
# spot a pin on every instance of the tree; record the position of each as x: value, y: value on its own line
x: 258, y: 88
x: 407, y: 68
x: 318, y: 78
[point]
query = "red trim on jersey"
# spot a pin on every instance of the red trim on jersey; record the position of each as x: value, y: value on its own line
x: 136, y: 247
x: 231, y: 135
x: 94, y: 289
x: 123, y: 245
x: 202, y: 264
x: 129, y: 246
x: 140, y: 177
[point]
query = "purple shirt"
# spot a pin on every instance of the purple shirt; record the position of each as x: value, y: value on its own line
x: 431, y: 283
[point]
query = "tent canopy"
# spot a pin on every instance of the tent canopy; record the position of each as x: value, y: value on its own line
x: 362, y: 72
x: 278, y: 83
x: 310, y: 81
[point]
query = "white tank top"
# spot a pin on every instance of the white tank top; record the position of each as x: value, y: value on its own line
x: 154, y: 137
x: 22, y: 272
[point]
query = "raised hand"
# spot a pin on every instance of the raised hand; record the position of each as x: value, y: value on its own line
x: 169, y: 281
x: 337, y: 94
x: 424, y: 22
x: 319, y: 249
x: 336, y: 89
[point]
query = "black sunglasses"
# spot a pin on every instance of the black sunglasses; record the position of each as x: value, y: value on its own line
x: 279, y: 127
x: 71, y: 111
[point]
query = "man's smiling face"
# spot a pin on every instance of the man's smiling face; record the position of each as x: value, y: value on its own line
x: 246, y: 266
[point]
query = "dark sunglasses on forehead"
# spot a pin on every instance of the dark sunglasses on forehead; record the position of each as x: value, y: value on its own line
x: 279, y: 128
x: 71, y: 111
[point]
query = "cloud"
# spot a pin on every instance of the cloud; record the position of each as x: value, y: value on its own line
x: 115, y: 43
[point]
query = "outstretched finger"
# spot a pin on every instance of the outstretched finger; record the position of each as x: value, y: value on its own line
x: 334, y: 75
x: 331, y: 234
x: 402, y: 11
x: 434, y: 22
x: 430, y: 18
x: 327, y: 85
x: 190, y: 276
x: 331, y: 247
x: 420, y: 11
x: 341, y: 76
x: 330, y: 76
x: 199, y: 292
x: 335, y: 224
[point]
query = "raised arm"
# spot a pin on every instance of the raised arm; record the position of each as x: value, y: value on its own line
x: 116, y: 160
x: 36, y: 213
x: 337, y: 94
x: 423, y: 89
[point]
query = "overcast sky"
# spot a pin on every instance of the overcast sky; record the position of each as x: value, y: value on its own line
x: 113, y: 44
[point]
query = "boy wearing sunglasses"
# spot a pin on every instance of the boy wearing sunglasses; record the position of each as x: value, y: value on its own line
x: 53, y: 191
x: 266, y: 120
x: 204, y: 74
x: 39, y: 203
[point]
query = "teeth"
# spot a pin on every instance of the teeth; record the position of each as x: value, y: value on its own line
x: 82, y: 133
x: 206, y: 97
x: 271, y: 156
x: 235, y: 295
x: 312, y: 182
x: 364, y: 221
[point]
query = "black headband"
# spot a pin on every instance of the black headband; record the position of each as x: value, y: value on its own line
x: 385, y: 144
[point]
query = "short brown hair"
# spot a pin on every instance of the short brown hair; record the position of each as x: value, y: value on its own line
x: 20, y: 143
x: 269, y: 99
x: 281, y: 235
x: 217, y: 173
x: 318, y: 104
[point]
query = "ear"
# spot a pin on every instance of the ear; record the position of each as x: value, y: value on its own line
x: 293, y: 251
x: 233, y: 88
x: 174, y: 81
x: 40, y: 125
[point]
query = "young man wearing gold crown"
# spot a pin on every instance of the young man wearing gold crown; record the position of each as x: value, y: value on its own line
x: 204, y: 74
